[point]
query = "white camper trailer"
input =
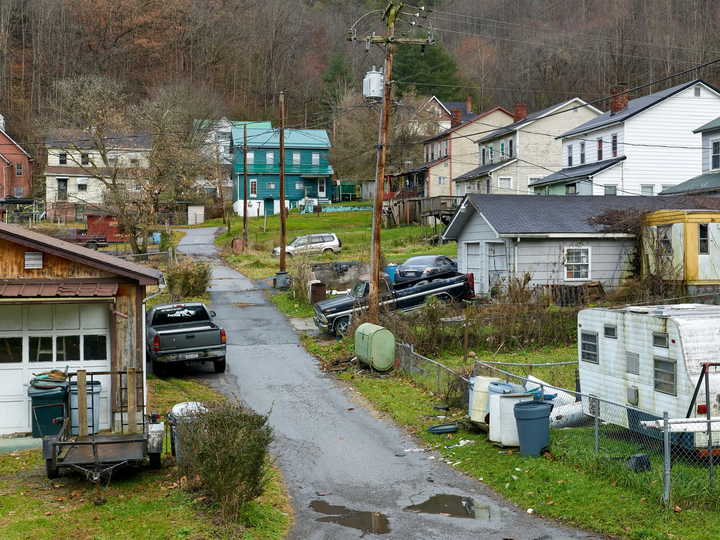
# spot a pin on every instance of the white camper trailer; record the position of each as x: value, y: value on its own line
x: 650, y: 358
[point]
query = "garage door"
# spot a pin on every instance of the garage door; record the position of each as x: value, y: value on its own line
x: 38, y: 338
x: 473, y: 264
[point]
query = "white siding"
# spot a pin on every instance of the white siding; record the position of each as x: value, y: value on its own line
x: 614, y: 176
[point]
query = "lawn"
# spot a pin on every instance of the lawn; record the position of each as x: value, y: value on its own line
x: 138, y: 502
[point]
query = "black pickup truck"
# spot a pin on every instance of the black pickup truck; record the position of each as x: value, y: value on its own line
x: 334, y: 314
x: 184, y: 333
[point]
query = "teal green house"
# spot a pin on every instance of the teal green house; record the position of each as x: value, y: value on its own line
x: 307, y: 170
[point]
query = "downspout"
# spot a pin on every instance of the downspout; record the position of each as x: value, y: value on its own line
x: 5, y: 180
x: 161, y: 285
x: 515, y: 258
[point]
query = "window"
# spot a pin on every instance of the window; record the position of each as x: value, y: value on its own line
x: 505, y: 182
x: 251, y: 158
x: 33, y: 260
x: 502, y: 150
x: 269, y: 185
x: 664, y: 236
x: 610, y: 331
x: 492, y: 151
x: 62, y: 189
x: 660, y: 340
x: 253, y: 188
x: 11, y: 350
x: 599, y: 149
x: 296, y: 158
x: 483, y: 156
x: 647, y: 191
x: 316, y: 158
x: 488, y: 185
x: 632, y: 362
x: 610, y: 190
x: 84, y: 159
x: 95, y: 347
x: 614, y: 145
x: 299, y: 185
x: 427, y: 154
x: 18, y: 191
x: 570, y: 156
x: 703, y: 240
x: 715, y: 155
x: 112, y: 160
x: 269, y: 158
x: 62, y: 158
x: 589, y: 347
x: 582, y: 153
x: 511, y: 148
x: 697, y: 91
x: 571, y: 189
x: 82, y: 184
x: 665, y: 375
x: 577, y: 263
x: 18, y: 169
x: 441, y: 180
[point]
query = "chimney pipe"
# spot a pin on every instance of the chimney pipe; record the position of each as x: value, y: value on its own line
x: 519, y: 112
x: 468, y: 105
x: 455, y: 117
x: 618, y: 103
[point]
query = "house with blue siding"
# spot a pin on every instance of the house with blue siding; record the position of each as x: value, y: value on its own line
x: 307, y: 170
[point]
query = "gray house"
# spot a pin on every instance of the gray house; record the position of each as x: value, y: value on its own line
x: 552, y: 238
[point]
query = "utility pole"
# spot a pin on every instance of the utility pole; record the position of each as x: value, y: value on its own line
x: 245, y: 180
x: 390, y: 15
x: 219, y: 176
x: 282, y: 183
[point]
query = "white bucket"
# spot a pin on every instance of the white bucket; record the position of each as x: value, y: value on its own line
x: 495, y: 432
x: 478, y: 409
x: 508, y: 426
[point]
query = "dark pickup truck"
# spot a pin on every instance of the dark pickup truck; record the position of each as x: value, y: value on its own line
x: 334, y: 314
x: 184, y: 333
x: 92, y: 241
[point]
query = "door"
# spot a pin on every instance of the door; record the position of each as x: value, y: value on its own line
x: 62, y: 189
x: 473, y: 264
x: 321, y: 188
x: 269, y: 207
x: 497, y: 265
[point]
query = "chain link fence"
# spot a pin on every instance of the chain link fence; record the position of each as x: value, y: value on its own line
x: 665, y: 460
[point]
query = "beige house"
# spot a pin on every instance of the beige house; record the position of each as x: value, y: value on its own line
x: 511, y: 157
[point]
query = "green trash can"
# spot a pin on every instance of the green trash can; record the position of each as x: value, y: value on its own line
x: 533, y: 425
x: 47, y: 405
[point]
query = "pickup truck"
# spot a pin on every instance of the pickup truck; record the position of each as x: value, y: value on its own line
x: 92, y: 241
x: 184, y: 333
x: 334, y: 314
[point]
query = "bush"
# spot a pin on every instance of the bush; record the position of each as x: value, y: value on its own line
x: 225, y: 449
x: 187, y: 279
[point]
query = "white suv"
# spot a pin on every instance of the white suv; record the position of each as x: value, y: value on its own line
x: 311, y: 244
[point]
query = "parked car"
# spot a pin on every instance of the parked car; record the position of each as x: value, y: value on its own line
x: 92, y: 241
x: 425, y: 267
x: 311, y: 244
x: 184, y: 333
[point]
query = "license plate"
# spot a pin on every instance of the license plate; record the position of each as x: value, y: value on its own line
x: 191, y: 355
x: 411, y: 273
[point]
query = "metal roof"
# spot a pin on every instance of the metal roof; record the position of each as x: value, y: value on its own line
x: 57, y: 288
x: 114, y: 140
x: 710, y: 126
x: 580, y: 172
x: 709, y: 181
x: 270, y: 138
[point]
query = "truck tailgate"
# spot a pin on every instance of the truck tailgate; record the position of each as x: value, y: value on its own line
x: 196, y: 337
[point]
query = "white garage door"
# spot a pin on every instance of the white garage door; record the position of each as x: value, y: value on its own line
x: 473, y: 265
x: 38, y: 338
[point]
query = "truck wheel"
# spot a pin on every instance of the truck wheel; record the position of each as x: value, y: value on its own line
x: 219, y: 365
x: 92, y: 245
x: 155, y: 461
x: 158, y: 368
x: 51, y: 473
x: 342, y: 325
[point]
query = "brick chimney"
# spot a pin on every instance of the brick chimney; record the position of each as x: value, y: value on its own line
x: 468, y: 105
x: 519, y: 112
x: 618, y: 103
x: 455, y: 117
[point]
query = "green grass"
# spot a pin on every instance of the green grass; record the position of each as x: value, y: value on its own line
x: 291, y: 306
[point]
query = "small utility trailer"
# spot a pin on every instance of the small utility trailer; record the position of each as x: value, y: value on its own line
x: 99, y: 455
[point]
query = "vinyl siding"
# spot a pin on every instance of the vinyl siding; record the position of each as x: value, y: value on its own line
x: 707, y: 140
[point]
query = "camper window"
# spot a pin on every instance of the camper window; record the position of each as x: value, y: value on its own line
x: 610, y: 331
x: 660, y: 340
x: 589, y: 347
x: 703, y: 238
x: 665, y: 375
x: 664, y: 237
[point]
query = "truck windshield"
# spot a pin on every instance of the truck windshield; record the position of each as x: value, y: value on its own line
x: 359, y: 290
x: 180, y: 314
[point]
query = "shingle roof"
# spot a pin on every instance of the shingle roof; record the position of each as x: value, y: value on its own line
x: 485, y: 169
x: 270, y: 138
x: 462, y: 105
x: 425, y: 166
x: 707, y: 182
x: 474, y: 119
x: 114, y: 140
x: 635, y: 106
x: 529, y: 118
x: 577, y: 173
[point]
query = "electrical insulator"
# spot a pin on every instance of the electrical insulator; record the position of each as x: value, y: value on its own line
x: 373, y: 84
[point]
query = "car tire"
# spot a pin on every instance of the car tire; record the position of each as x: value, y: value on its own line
x: 288, y: 254
x: 341, y: 326
x: 158, y: 368
x: 155, y: 461
x: 92, y: 245
x: 220, y: 365
x: 49, y: 471
x: 327, y: 250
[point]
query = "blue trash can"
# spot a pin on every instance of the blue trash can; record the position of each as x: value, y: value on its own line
x: 156, y: 238
x: 533, y: 425
x: 390, y: 270
x: 498, y: 388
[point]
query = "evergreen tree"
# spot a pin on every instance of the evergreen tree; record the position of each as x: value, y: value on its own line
x: 429, y: 72
x: 338, y: 79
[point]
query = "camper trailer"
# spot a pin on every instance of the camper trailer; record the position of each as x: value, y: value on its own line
x: 649, y: 358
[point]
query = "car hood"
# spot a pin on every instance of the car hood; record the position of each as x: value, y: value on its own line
x: 333, y: 304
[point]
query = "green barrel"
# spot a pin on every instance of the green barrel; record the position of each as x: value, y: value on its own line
x: 375, y: 346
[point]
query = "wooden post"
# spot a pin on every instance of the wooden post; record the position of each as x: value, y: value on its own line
x: 82, y: 403
x: 245, y: 186
x: 132, y: 400
x: 467, y: 328
x: 282, y: 183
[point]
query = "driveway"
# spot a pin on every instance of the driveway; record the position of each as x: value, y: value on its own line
x: 350, y: 471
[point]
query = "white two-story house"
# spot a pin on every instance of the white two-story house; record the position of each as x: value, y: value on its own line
x: 639, y: 147
x: 514, y: 155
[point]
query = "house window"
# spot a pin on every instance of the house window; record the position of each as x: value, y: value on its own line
x: 299, y: 185
x: 614, y: 145
x: 647, y: 191
x: 715, y: 155
x: 569, y: 154
x: 82, y: 184
x: 269, y: 158
x: 665, y: 375
x: 441, y: 180
x: 703, y: 239
x: 296, y: 158
x: 253, y: 188
x: 62, y: 189
x: 62, y: 158
x: 502, y: 150
x: 269, y: 185
x: 599, y: 149
x: 84, y: 159
x: 483, y: 156
x: 511, y: 148
x: 316, y: 158
x: 571, y: 189
x: 610, y: 331
x: 488, y: 185
x: 505, y: 182
x: 664, y: 235
x: 582, y: 153
x: 632, y: 362
x: 577, y: 263
x: 250, y: 158
x: 18, y: 169
x: 492, y: 151
x: 610, y: 190
x: 660, y: 339
x: 589, y: 347
x: 697, y: 91
x: 18, y: 191
x: 427, y: 154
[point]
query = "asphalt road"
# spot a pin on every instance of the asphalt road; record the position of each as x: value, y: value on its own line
x: 350, y: 471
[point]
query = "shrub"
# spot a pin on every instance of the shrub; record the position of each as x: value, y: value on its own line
x: 187, y: 279
x: 225, y: 448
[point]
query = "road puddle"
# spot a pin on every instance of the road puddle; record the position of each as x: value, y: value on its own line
x: 370, y: 522
x: 458, y: 506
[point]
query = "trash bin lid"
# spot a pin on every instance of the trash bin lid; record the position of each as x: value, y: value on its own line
x: 187, y: 408
x: 58, y: 391
x: 92, y: 386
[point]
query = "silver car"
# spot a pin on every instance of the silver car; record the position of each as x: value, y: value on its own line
x: 311, y: 244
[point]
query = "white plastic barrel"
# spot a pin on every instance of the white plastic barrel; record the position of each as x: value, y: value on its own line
x: 478, y: 407
x: 508, y: 425
x: 495, y: 431
x: 93, y: 407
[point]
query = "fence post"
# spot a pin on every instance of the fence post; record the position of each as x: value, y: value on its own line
x: 597, y: 423
x: 666, y: 444
x: 438, y: 387
x: 412, y: 359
